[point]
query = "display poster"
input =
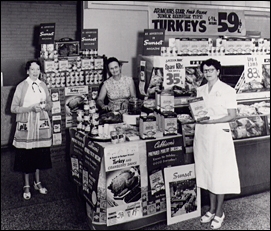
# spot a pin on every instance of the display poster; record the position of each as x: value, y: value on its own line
x: 189, y: 21
x: 74, y: 100
x: 174, y: 73
x: 92, y: 161
x: 161, y: 154
x: 47, y: 33
x: 56, y: 124
x: 89, y: 39
x: 256, y: 75
x: 77, y: 153
x: 154, y: 39
x: 123, y: 183
x: 182, y: 193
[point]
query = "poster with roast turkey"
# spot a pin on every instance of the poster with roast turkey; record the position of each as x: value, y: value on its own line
x: 182, y: 193
x: 74, y: 101
x: 123, y: 183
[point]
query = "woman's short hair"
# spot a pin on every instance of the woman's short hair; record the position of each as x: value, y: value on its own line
x: 211, y: 62
x: 112, y: 59
x: 28, y: 64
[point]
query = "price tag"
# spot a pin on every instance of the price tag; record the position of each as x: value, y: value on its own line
x: 229, y: 22
x: 173, y: 73
x: 253, y: 70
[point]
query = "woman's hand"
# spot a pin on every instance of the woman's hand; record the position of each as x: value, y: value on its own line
x: 35, y: 108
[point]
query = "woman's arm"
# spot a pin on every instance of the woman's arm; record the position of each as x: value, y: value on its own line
x: 231, y: 116
x: 132, y: 90
x: 101, y: 97
x: 16, y: 101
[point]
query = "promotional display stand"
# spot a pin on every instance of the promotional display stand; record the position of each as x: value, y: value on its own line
x: 124, y: 184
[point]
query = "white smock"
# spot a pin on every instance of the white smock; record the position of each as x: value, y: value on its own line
x: 214, y: 153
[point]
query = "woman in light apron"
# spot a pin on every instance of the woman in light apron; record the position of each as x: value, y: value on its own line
x: 33, y: 135
x: 215, y: 160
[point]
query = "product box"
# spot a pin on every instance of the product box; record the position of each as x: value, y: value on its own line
x: 147, y: 127
x: 183, y: 46
x: 63, y: 65
x: 98, y: 63
x: 204, y: 46
x: 198, y: 109
x: 166, y: 101
x: 86, y: 64
x: 48, y: 66
x: 194, y: 46
x: 169, y: 123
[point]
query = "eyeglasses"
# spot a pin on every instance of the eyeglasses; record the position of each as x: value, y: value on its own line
x: 208, y: 70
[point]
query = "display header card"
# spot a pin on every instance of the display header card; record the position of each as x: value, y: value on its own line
x: 47, y: 33
x: 154, y: 39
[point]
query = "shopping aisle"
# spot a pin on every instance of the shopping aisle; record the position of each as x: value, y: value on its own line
x: 62, y: 209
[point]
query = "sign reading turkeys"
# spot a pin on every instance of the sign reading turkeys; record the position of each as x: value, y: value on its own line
x: 188, y: 21
x: 153, y: 41
x: 89, y: 39
x: 47, y: 33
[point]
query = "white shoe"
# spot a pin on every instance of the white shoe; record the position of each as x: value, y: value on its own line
x: 41, y: 189
x: 217, y: 222
x: 207, y: 217
x: 27, y: 195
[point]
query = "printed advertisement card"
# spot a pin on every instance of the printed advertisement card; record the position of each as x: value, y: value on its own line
x: 91, y: 168
x: 123, y: 183
x: 154, y: 39
x: 182, y: 193
x: 161, y: 154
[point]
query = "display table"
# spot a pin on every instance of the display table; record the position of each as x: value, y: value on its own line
x: 117, y: 199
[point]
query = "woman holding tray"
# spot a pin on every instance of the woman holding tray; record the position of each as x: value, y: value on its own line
x: 215, y: 160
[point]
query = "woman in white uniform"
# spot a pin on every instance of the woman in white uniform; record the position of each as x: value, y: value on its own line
x: 215, y: 160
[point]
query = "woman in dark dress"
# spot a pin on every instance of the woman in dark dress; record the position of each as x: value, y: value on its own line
x: 33, y: 136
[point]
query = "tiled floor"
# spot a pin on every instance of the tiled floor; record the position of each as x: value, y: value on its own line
x: 62, y: 209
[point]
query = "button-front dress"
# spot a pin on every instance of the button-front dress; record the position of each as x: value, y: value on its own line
x: 214, y: 153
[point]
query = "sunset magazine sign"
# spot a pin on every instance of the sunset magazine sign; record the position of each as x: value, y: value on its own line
x: 47, y: 33
x: 153, y: 41
x: 89, y: 39
x: 188, y: 21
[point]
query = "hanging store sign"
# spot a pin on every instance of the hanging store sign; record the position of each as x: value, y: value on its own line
x: 188, y: 21
x: 89, y: 39
x: 47, y: 33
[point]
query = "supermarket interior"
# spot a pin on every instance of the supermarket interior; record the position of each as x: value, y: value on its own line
x: 132, y: 163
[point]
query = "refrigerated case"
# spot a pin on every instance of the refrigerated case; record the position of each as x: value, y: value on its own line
x: 250, y: 76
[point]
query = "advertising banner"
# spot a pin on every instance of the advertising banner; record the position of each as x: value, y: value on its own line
x: 183, y: 195
x: 89, y: 39
x: 76, y: 155
x: 161, y: 154
x: 91, y: 168
x: 47, y: 33
x: 204, y: 22
x: 123, y: 183
x: 153, y: 41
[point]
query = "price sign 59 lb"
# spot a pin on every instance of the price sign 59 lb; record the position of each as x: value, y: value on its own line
x: 197, y: 21
x: 174, y: 73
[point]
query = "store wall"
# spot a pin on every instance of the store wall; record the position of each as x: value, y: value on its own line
x: 20, y: 23
x: 121, y: 23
